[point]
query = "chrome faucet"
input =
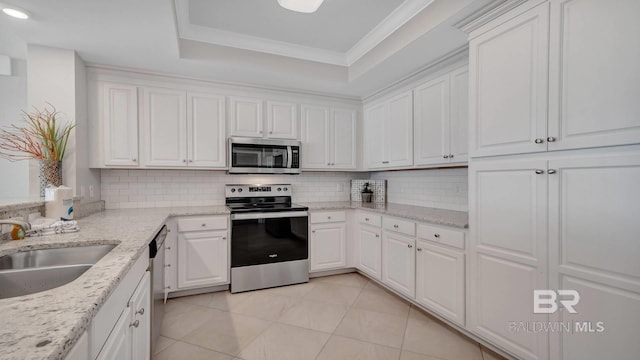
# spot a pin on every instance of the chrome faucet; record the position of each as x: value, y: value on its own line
x: 23, y: 224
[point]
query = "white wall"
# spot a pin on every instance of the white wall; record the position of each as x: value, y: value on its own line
x: 166, y: 188
x: 438, y: 188
x: 14, y: 182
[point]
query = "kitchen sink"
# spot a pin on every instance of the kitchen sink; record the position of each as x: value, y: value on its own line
x: 29, y: 272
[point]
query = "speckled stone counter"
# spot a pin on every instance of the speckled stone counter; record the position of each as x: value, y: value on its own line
x: 459, y: 219
x: 59, y: 316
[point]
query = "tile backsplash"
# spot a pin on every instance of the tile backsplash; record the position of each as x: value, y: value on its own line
x: 165, y: 188
x: 438, y: 188
x: 379, y: 188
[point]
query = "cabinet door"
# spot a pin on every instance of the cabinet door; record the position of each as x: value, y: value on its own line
x: 328, y: 247
x: 140, y: 307
x: 120, y: 119
x: 202, y: 259
x: 459, y: 116
x: 118, y: 345
x: 594, y: 73
x: 594, y: 249
x: 399, y: 263
x: 80, y: 350
x: 315, y: 137
x: 431, y: 122
x: 165, y: 127
x: 206, y: 130
x: 343, y: 139
x: 508, y: 232
x: 246, y: 117
x: 508, y: 81
x: 399, y: 131
x: 440, y: 280
x: 369, y: 250
x: 374, y: 136
x: 282, y: 120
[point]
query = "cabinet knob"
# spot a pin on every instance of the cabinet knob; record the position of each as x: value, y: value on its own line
x: 551, y: 139
x: 203, y: 225
x: 167, y: 265
x: 313, y: 231
x: 551, y: 171
x: 409, y: 246
x: 451, y: 156
x: 328, y: 164
x: 134, y: 159
x: 538, y: 171
x: 329, y: 217
x: 419, y: 249
x: 366, y: 219
x: 168, y: 248
x: 446, y: 156
x: 184, y: 160
x: 270, y: 132
x: 385, y: 162
x: 224, y: 238
x: 436, y: 235
x: 190, y: 161
x: 135, y: 324
x: 141, y: 311
x: 377, y: 235
x: 538, y: 141
x: 395, y: 226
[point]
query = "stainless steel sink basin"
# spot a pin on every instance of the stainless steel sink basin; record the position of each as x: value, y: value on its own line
x: 29, y: 272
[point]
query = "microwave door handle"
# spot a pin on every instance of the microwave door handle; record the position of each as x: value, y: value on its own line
x: 289, y: 157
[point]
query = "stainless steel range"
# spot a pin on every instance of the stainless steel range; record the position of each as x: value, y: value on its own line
x: 269, y: 237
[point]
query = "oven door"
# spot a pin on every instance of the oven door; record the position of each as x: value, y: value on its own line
x: 264, y: 238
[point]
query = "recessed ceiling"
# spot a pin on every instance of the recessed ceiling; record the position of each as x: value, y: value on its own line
x: 337, y: 25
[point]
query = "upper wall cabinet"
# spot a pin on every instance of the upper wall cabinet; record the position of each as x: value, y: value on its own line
x: 246, y: 118
x: 328, y: 138
x: 440, y: 120
x: 183, y: 129
x: 553, y: 54
x: 388, y: 132
x: 118, y: 114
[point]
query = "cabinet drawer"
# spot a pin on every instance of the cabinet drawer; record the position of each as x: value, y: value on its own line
x: 202, y: 223
x: 441, y: 235
x: 400, y: 226
x: 370, y: 219
x: 327, y: 217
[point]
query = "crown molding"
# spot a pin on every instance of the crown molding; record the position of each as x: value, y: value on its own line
x: 400, y: 16
x: 487, y: 13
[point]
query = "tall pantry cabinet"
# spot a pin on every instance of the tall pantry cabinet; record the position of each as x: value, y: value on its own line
x: 548, y: 76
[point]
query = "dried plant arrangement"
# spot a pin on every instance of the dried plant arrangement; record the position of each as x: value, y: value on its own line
x: 42, y: 138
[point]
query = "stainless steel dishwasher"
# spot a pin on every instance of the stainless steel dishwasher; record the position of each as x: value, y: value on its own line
x: 156, y: 266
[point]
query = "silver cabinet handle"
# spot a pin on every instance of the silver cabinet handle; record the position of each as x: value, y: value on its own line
x: 190, y: 161
x: 436, y: 235
x: 551, y: 139
x: 184, y: 160
x: 551, y: 171
x: 451, y: 156
x: 168, y: 248
x: 538, y: 141
x: 366, y: 219
x: 385, y: 162
x: 313, y: 231
x: 270, y: 132
x: 203, y: 225
x: 167, y: 265
x: 328, y: 164
x: 134, y: 159
x: 446, y: 156
x: 141, y: 311
x: 377, y: 235
x: 538, y: 171
x: 395, y: 226
x: 224, y: 238
x: 135, y: 324
x: 419, y: 249
x: 409, y: 246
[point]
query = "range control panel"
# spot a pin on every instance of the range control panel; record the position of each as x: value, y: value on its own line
x: 257, y: 190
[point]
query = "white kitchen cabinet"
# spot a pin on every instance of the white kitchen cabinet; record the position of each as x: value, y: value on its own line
x: 459, y: 116
x: 119, y: 118
x: 206, y: 130
x: 202, y: 259
x: 594, y: 74
x: 164, y: 127
x: 440, y: 275
x: 389, y: 132
x: 246, y: 117
x: 508, y: 80
x: 508, y: 226
x: 118, y: 345
x: 399, y: 262
x: 327, y: 240
x: 369, y: 250
x: 80, y: 350
x: 282, y: 120
x: 594, y: 249
x: 328, y: 138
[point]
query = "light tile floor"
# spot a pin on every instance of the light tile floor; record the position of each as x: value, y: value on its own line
x: 330, y: 318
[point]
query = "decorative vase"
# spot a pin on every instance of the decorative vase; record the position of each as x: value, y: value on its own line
x: 50, y: 173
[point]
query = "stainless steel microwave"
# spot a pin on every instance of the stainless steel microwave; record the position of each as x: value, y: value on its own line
x: 263, y: 156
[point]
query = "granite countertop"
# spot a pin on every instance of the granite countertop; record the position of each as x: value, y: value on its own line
x: 459, y: 219
x: 57, y: 317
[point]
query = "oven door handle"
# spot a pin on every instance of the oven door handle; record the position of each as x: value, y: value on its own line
x: 269, y: 215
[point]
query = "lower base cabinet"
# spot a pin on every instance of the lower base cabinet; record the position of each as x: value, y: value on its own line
x: 202, y: 259
x: 327, y: 240
x: 399, y: 263
x: 369, y: 250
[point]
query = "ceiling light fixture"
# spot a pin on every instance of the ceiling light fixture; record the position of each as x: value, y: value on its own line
x: 14, y: 12
x: 303, y: 6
